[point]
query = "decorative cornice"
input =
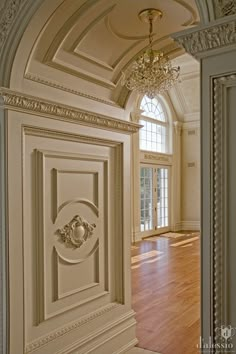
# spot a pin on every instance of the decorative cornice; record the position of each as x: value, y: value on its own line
x: 72, y: 326
x: 191, y: 125
x: 39, y: 106
x: 157, y: 157
x: 208, y: 38
x: 59, y: 86
x: 224, y: 8
x: 10, y: 12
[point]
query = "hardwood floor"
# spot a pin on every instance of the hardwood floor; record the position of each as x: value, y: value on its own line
x: 166, y: 294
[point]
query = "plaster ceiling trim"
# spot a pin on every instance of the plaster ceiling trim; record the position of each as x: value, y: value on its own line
x: 51, y: 59
x: 192, y: 124
x: 57, y: 85
x: 194, y: 16
x: 190, y: 76
x: 104, y: 16
x: 124, y: 96
x: 82, y: 36
x: 122, y: 36
x: 66, y: 28
x: 172, y: 49
x: 128, y: 50
x: 203, y: 11
x: 193, y: 20
x: 176, y: 90
x: 191, y: 117
x: 93, y: 60
x: 103, y: 64
x: 72, y: 70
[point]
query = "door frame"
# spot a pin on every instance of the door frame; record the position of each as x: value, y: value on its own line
x: 156, y: 230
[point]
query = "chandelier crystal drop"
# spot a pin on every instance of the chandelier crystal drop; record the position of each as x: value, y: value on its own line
x: 151, y: 73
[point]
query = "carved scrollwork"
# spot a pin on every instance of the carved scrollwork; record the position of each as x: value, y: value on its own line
x: 64, y: 112
x: 224, y: 8
x: 76, y: 232
x: 9, y: 11
x: 214, y: 37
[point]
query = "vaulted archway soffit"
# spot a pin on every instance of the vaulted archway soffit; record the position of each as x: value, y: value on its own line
x: 83, y: 46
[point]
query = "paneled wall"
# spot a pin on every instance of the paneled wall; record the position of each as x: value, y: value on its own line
x: 69, y: 229
x: 190, y: 176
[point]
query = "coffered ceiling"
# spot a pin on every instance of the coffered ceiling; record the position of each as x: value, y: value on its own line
x: 86, y: 45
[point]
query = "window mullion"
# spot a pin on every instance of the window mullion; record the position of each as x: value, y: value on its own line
x: 153, y: 120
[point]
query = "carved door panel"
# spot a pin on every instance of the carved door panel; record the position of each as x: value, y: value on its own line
x: 72, y: 190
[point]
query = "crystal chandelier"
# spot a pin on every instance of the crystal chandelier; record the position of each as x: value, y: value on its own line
x: 151, y: 73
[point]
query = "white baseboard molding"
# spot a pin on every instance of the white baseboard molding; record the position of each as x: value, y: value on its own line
x: 187, y: 225
x: 127, y: 347
x: 138, y: 236
x: 179, y: 226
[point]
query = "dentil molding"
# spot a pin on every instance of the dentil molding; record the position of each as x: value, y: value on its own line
x: 208, y: 38
x: 22, y: 102
x: 70, y: 327
x: 59, y: 86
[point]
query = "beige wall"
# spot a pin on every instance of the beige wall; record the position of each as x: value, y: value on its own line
x: 190, y: 177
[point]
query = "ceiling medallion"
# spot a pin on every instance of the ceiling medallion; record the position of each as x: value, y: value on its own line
x: 151, y: 73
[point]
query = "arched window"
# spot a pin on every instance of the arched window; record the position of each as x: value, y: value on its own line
x: 154, y: 135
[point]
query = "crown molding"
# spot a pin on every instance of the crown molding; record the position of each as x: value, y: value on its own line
x: 39, y: 106
x: 191, y: 125
x: 59, y: 86
x: 206, y: 40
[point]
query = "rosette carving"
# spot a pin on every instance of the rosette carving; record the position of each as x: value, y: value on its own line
x: 76, y: 232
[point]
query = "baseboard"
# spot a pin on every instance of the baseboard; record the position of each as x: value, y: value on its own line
x: 179, y: 226
x: 127, y: 347
x: 190, y: 225
x: 138, y: 236
x: 187, y: 225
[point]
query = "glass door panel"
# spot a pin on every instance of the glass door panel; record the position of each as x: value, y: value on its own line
x: 147, y: 203
x: 162, y: 198
x: 154, y: 199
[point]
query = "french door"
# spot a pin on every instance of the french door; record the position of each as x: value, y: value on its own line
x: 154, y: 199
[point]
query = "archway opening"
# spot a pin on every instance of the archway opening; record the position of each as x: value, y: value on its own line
x: 165, y: 258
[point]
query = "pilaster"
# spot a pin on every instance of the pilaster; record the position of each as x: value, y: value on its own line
x: 215, y: 46
x: 176, y: 178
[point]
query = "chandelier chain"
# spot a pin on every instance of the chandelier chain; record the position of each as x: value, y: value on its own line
x: 150, y: 31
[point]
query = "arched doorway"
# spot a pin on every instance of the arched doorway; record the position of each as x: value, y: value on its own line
x: 30, y: 68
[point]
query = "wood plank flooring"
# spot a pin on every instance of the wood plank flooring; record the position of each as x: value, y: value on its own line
x: 166, y: 294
